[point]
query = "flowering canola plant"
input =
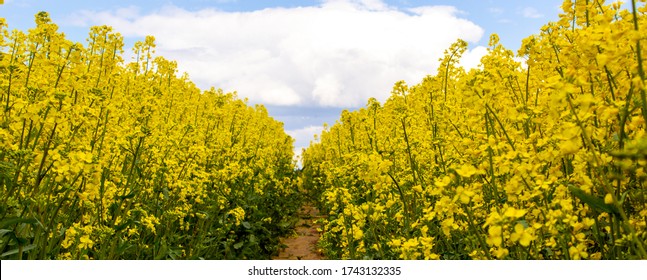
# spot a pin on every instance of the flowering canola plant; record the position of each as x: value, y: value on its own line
x: 545, y: 159
x: 102, y: 159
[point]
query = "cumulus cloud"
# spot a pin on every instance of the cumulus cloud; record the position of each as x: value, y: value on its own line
x: 303, y: 136
x: 338, y: 53
x: 472, y: 58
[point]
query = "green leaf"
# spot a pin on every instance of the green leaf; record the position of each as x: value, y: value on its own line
x: 246, y: 225
x: 17, y: 220
x: 123, y: 225
x: 15, y: 251
x: 163, y: 249
x: 175, y: 253
x: 239, y: 245
x: 130, y: 195
x: 285, y: 224
x: 165, y: 192
x: 122, y: 248
x: 593, y: 201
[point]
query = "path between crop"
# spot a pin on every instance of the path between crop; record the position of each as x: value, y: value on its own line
x: 303, y: 244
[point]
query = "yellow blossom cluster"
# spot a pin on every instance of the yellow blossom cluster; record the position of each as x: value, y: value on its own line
x: 103, y: 159
x: 539, y: 155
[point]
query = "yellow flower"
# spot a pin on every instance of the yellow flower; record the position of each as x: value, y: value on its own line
x: 608, y: 199
x: 499, y: 253
x: 443, y: 182
x: 357, y: 233
x: 464, y: 195
x: 85, y: 242
x: 578, y: 252
x: 467, y: 170
x: 447, y: 225
x: 65, y: 256
x: 522, y: 234
x: 238, y: 214
x: 150, y: 222
x: 70, y: 236
x: 495, y: 237
x: 132, y: 231
x: 569, y: 147
x: 511, y: 212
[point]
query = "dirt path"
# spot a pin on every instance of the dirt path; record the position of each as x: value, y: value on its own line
x: 303, y: 245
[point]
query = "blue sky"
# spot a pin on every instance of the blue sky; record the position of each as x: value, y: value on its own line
x: 513, y: 20
x: 306, y: 60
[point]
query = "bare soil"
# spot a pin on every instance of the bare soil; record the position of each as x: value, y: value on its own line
x: 302, y: 245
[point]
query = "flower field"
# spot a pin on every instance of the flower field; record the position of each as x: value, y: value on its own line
x: 536, y: 155
x: 104, y: 161
x: 544, y: 159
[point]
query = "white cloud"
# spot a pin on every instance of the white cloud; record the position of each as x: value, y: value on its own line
x: 303, y: 136
x: 338, y: 53
x: 472, y: 58
x: 530, y: 12
x: 375, y: 5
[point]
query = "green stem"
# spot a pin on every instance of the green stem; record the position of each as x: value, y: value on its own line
x: 502, y: 127
x: 641, y: 71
